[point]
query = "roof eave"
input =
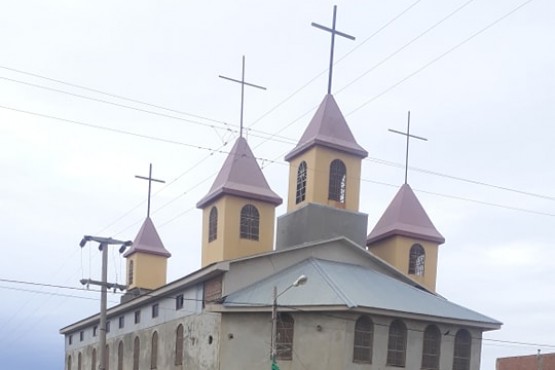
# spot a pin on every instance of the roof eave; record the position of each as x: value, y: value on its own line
x: 397, y: 232
x: 213, y: 196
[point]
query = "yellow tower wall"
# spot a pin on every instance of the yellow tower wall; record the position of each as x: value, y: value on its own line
x: 318, y: 160
x: 228, y: 244
x: 396, y: 250
x: 149, y: 271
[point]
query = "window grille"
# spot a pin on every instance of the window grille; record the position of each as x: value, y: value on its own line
x: 284, y: 337
x: 250, y: 222
x: 154, y: 351
x: 463, y: 343
x: 179, y: 345
x: 213, y: 224
x: 417, y: 260
x: 136, y: 353
x: 300, y: 194
x: 120, y: 355
x: 364, y: 338
x: 431, y: 348
x: 397, y: 344
x: 338, y: 181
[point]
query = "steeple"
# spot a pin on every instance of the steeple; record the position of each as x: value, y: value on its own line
x: 328, y: 128
x: 406, y: 238
x: 239, y: 209
x: 324, y: 182
x: 146, y: 260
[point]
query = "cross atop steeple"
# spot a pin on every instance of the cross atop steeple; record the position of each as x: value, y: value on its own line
x: 333, y: 32
x: 408, y: 135
x: 150, y: 179
x: 243, y: 83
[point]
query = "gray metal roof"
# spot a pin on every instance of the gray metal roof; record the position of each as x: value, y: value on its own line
x: 148, y: 241
x: 405, y: 216
x: 241, y: 176
x: 328, y: 128
x: 352, y: 286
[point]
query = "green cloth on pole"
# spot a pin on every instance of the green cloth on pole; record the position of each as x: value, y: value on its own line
x: 275, y: 366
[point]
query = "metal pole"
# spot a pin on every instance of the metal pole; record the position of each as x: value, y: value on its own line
x: 242, y: 97
x: 274, y: 326
x: 332, y: 47
x: 407, y: 154
x: 103, y: 304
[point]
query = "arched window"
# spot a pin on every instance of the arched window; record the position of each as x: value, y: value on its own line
x: 364, y: 338
x: 120, y: 355
x: 130, y: 272
x: 397, y: 344
x: 284, y: 336
x: 463, y: 343
x: 79, y: 361
x: 93, y: 359
x: 417, y: 260
x: 69, y: 362
x: 213, y: 224
x: 431, y: 348
x: 300, y: 194
x: 250, y: 222
x: 154, y: 351
x: 179, y: 345
x: 136, y: 353
x: 338, y: 181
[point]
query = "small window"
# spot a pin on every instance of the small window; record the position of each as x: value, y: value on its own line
x: 70, y: 339
x: 81, y: 335
x: 179, y: 345
x: 155, y: 308
x: 338, y: 181
x: 136, y: 353
x: 107, y: 326
x: 137, y: 316
x: 250, y: 222
x: 463, y: 345
x: 417, y: 260
x: 121, y: 322
x: 95, y: 329
x: 284, y: 336
x: 213, y: 224
x: 93, y: 359
x: 397, y: 344
x: 179, y: 302
x: 154, y: 351
x: 300, y: 194
x: 130, y: 272
x: 431, y: 348
x: 120, y: 355
x: 364, y: 337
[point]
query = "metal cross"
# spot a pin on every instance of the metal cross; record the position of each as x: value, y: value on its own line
x: 150, y: 180
x: 243, y: 83
x: 408, y: 135
x: 333, y: 32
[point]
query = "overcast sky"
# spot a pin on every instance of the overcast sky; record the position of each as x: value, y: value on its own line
x: 476, y: 75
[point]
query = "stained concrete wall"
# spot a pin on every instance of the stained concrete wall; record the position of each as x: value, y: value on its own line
x: 201, y: 345
x: 324, y: 341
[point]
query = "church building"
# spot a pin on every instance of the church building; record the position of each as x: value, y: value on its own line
x: 327, y: 295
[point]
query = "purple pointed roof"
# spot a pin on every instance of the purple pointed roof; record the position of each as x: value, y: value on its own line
x: 147, y: 241
x: 241, y: 176
x: 328, y: 128
x: 405, y: 216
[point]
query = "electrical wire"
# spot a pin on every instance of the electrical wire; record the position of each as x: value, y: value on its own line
x: 439, y: 57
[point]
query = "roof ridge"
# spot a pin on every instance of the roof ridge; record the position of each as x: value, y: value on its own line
x: 331, y: 282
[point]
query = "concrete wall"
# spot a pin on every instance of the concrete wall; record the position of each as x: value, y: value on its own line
x: 314, y: 222
x: 324, y: 341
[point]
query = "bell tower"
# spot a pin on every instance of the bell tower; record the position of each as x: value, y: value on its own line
x: 239, y: 210
x: 406, y: 238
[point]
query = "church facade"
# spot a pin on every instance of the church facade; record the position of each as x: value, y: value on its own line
x: 369, y: 301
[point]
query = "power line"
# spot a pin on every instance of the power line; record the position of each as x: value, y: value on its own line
x: 425, y: 66
x: 397, y: 51
x: 295, y: 308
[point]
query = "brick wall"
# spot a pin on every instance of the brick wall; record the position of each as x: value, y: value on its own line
x: 532, y: 362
